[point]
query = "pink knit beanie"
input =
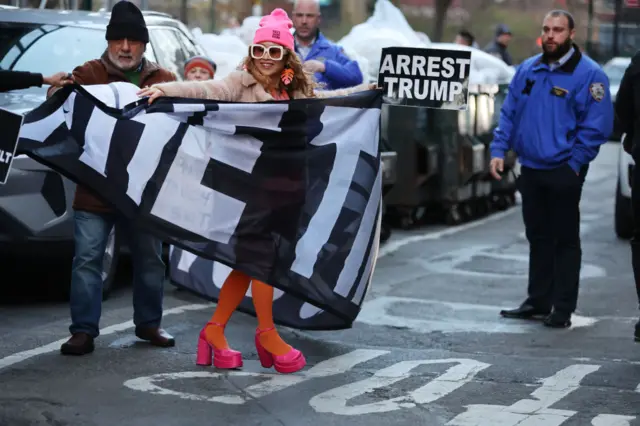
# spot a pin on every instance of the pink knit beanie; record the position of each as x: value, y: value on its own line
x: 276, y: 29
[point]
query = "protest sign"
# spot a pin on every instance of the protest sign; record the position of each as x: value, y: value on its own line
x: 431, y: 78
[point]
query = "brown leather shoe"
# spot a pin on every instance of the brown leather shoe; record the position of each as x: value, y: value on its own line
x: 78, y: 344
x: 156, y: 336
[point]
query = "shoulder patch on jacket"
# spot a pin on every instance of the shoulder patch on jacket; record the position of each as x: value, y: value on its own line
x: 597, y: 91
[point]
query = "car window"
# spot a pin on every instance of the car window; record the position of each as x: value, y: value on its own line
x: 187, y: 45
x: 150, y: 54
x: 48, y: 49
x: 168, y: 49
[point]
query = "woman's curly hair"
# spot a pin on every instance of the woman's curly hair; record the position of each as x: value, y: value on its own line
x: 303, y: 81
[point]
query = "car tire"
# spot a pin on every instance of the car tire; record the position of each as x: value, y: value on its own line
x: 623, y: 217
x: 110, y: 263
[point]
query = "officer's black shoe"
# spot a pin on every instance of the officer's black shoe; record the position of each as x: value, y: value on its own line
x: 636, y: 335
x: 558, y: 320
x: 525, y: 311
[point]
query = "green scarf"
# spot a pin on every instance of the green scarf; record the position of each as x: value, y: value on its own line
x: 133, y: 77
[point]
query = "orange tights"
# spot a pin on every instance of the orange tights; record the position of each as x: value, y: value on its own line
x: 231, y: 295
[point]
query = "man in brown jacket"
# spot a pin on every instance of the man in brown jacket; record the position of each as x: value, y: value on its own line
x: 123, y: 61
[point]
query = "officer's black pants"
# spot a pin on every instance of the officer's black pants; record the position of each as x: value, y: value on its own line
x: 635, y: 239
x: 551, y: 213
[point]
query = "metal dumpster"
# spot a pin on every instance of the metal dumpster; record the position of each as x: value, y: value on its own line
x: 439, y: 162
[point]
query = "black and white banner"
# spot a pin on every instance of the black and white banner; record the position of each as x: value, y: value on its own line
x: 431, y: 78
x: 287, y: 192
x: 10, y: 124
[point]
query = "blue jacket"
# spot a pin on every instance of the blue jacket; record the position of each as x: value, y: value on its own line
x: 555, y: 117
x: 340, y: 71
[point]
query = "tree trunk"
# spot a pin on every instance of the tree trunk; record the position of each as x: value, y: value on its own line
x: 353, y: 11
x: 440, y: 19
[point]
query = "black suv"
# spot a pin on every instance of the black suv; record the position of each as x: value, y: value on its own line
x: 35, y: 204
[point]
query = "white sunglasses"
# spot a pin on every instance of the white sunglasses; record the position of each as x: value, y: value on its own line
x: 258, y: 51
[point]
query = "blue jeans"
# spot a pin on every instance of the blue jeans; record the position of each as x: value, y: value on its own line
x: 91, y: 232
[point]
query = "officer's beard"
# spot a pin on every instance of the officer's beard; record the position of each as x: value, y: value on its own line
x: 557, y: 53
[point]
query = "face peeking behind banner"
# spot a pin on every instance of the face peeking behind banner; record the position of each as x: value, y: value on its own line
x: 428, y: 78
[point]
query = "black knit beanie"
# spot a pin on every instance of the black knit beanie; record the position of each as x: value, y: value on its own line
x: 127, y: 22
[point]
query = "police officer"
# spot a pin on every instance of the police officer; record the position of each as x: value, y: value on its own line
x: 627, y: 109
x: 557, y: 113
x: 330, y: 65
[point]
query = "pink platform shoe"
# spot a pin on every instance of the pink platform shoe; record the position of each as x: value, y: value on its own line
x: 222, y: 358
x: 290, y: 362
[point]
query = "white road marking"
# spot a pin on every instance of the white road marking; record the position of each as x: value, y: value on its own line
x: 458, y: 317
x: 274, y: 381
x: 330, y: 367
x: 449, y: 263
x: 335, y: 400
x: 394, y: 245
x: 612, y: 420
x: 530, y: 412
x: 146, y: 384
x: 55, y: 346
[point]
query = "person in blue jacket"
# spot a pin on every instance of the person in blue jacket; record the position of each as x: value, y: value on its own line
x: 557, y: 113
x: 332, y: 67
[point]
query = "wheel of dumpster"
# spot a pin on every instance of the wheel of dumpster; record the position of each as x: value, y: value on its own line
x: 468, y: 213
x: 501, y: 202
x: 482, y: 207
x: 476, y: 208
x: 407, y: 221
x: 412, y: 217
x: 453, y: 216
x: 488, y: 205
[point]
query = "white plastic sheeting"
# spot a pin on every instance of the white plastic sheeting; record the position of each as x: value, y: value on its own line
x: 387, y: 27
x: 245, y: 31
x: 226, y: 50
x: 485, y: 68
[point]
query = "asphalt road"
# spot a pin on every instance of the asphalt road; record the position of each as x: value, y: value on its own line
x: 429, y: 347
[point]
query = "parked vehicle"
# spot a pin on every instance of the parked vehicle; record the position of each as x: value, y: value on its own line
x: 623, y: 216
x: 615, y: 69
x: 623, y: 219
x: 36, y: 202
